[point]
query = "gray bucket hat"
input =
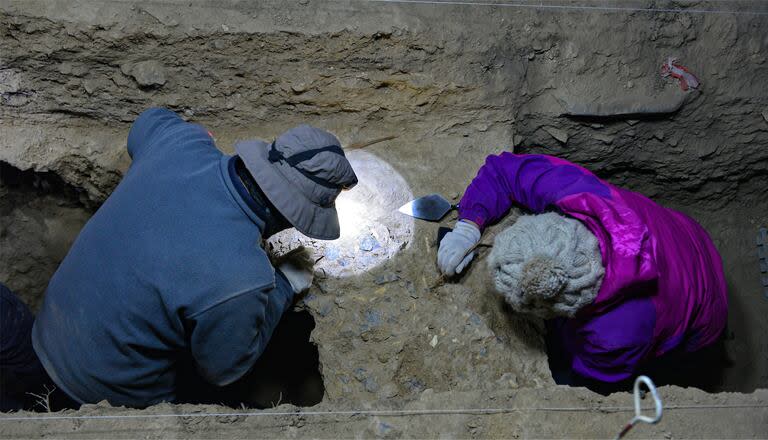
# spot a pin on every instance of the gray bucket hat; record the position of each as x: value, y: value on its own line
x: 301, y: 173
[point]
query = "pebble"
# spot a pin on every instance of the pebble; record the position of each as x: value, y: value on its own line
x: 299, y: 88
x: 331, y: 253
x: 149, y: 73
x: 370, y: 385
x: 389, y: 391
x: 385, y: 430
x: 765, y: 115
x: 386, y: 278
x: 603, y: 138
x: 369, y: 243
x: 558, y: 134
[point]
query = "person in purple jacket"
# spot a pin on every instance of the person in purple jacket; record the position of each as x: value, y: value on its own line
x: 624, y: 281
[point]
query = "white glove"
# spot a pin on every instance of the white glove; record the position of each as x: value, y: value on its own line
x: 298, y: 270
x: 456, y: 248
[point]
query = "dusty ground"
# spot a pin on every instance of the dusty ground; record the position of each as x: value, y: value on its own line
x: 455, y: 83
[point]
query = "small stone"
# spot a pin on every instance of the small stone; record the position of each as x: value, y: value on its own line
x: 659, y: 135
x: 765, y: 115
x: 603, y: 138
x: 331, y: 253
x: 706, y: 149
x: 72, y: 69
x: 10, y: 82
x: 299, y: 88
x: 389, y: 391
x: 369, y: 243
x: 433, y: 342
x: 632, y: 121
x: 673, y: 141
x: 510, y: 380
x: 412, y: 290
x: 303, y: 2
x: 90, y: 86
x: 370, y: 385
x: 386, y: 278
x: 360, y: 374
x: 146, y: 73
x: 558, y: 134
x: 385, y: 430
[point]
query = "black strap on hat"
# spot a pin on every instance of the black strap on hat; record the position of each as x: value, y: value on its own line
x: 276, y: 156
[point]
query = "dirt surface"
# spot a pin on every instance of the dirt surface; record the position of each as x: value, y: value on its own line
x: 454, y: 83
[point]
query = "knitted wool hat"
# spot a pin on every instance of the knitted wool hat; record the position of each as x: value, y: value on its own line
x: 547, y: 265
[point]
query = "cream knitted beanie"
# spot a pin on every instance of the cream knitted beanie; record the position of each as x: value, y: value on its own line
x: 547, y: 265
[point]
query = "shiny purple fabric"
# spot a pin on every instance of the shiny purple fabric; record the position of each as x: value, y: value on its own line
x: 664, y: 286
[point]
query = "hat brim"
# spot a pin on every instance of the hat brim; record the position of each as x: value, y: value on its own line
x: 312, y: 220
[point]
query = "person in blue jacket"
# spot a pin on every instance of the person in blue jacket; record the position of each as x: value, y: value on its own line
x: 170, y: 271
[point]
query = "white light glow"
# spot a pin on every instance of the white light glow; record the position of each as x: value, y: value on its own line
x: 352, y: 216
x: 372, y: 229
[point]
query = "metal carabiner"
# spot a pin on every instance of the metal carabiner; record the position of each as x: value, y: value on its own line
x: 639, y: 417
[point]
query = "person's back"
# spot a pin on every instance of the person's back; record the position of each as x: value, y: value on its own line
x: 691, y: 294
x: 172, y: 243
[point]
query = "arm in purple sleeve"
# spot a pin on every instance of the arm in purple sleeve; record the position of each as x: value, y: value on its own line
x: 532, y: 181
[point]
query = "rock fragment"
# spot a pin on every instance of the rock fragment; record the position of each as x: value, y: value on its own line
x: 386, y: 278
x: 604, y: 138
x: 765, y: 115
x: 150, y: 73
x: 369, y: 243
x: 558, y: 134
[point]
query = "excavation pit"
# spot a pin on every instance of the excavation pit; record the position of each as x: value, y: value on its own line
x: 455, y: 83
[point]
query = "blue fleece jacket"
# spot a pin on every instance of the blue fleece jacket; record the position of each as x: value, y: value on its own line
x: 170, y: 267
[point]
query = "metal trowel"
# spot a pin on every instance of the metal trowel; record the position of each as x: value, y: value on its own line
x: 431, y: 208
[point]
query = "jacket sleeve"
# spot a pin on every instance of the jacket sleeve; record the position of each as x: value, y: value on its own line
x: 532, y: 181
x: 147, y: 127
x: 228, y: 338
x: 161, y: 128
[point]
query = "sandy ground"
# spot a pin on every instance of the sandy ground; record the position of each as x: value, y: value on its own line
x: 454, y: 83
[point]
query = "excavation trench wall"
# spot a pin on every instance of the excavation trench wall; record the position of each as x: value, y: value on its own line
x: 454, y: 84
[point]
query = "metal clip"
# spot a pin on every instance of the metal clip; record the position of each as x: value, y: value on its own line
x: 639, y: 417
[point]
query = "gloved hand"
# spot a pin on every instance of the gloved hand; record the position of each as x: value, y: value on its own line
x: 298, y: 268
x: 456, y: 248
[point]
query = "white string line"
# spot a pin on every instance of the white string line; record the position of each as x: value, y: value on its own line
x: 390, y: 413
x: 569, y: 7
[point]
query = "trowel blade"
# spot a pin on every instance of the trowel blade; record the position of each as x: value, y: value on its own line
x: 431, y: 208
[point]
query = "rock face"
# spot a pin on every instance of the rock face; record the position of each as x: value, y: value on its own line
x: 454, y: 83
